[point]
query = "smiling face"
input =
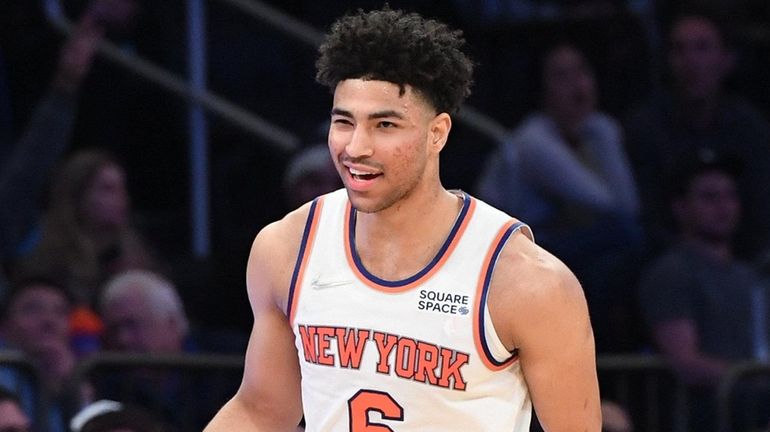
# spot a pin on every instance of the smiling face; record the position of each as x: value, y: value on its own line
x: 384, y: 144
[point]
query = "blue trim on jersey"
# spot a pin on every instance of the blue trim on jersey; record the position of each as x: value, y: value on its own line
x: 487, y: 280
x: 421, y: 273
x: 301, y: 254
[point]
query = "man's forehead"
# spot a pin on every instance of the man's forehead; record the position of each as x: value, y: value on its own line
x: 377, y: 95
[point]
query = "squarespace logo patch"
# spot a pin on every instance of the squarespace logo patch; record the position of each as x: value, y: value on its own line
x: 436, y: 301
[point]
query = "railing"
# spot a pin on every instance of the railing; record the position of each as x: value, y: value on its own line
x: 617, y: 372
x: 249, y: 122
x: 108, y: 360
x: 732, y: 381
x: 640, y: 381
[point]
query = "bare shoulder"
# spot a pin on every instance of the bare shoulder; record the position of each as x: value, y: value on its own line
x: 531, y: 286
x: 528, y: 270
x: 274, y: 253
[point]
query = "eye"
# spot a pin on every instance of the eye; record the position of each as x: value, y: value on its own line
x: 342, y: 121
x: 386, y: 124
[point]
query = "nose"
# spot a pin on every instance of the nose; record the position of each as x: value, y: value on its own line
x: 360, y: 144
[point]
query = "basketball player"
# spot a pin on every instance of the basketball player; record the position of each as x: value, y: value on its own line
x: 397, y: 305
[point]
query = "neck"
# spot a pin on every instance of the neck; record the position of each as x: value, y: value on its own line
x: 400, y: 241
x: 410, y: 216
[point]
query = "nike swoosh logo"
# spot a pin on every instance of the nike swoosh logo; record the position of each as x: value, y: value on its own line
x: 318, y: 284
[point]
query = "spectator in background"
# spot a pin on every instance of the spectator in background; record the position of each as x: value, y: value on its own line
x: 696, y: 113
x: 701, y: 303
x: 112, y: 416
x: 87, y: 235
x: 35, y: 321
x: 12, y: 417
x: 309, y: 174
x: 564, y: 172
x: 143, y: 313
x: 25, y: 164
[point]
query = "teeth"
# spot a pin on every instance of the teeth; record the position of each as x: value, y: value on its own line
x: 358, y: 173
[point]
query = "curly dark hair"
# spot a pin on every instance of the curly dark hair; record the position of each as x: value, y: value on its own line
x: 402, y: 48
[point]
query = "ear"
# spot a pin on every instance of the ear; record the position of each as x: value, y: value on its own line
x: 439, y: 131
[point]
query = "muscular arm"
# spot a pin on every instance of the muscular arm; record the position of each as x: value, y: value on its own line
x: 269, y: 397
x: 542, y: 312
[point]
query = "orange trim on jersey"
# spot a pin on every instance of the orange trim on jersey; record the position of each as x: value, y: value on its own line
x: 479, y: 335
x: 306, y: 246
x: 435, y: 266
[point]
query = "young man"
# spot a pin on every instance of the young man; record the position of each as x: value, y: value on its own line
x: 395, y: 304
x: 34, y: 319
x: 704, y: 306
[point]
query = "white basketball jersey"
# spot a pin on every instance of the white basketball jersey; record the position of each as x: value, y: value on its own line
x: 418, y: 354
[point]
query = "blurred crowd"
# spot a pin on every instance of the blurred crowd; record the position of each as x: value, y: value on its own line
x: 638, y: 149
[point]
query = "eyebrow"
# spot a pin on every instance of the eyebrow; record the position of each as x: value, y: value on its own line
x: 374, y: 115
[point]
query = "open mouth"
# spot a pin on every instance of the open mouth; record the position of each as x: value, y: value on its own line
x: 363, y: 175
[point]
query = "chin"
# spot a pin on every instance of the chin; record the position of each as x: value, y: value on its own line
x: 363, y: 205
x: 366, y: 205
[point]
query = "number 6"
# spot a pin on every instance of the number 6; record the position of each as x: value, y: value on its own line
x: 370, y: 400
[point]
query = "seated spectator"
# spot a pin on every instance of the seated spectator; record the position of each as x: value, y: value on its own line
x: 564, y: 172
x: 697, y: 298
x: 309, y: 174
x: 12, y: 417
x: 143, y: 313
x: 35, y: 320
x: 695, y: 112
x: 87, y: 234
x: 111, y: 416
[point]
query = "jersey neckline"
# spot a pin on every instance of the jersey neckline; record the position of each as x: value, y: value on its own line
x: 438, y: 260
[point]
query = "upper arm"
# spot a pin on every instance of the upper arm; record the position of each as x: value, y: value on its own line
x: 269, y: 397
x: 547, y: 321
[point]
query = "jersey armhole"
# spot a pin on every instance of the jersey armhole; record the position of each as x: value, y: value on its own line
x: 489, y: 346
x: 305, y: 247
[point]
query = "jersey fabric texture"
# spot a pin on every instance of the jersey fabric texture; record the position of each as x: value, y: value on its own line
x: 419, y: 354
